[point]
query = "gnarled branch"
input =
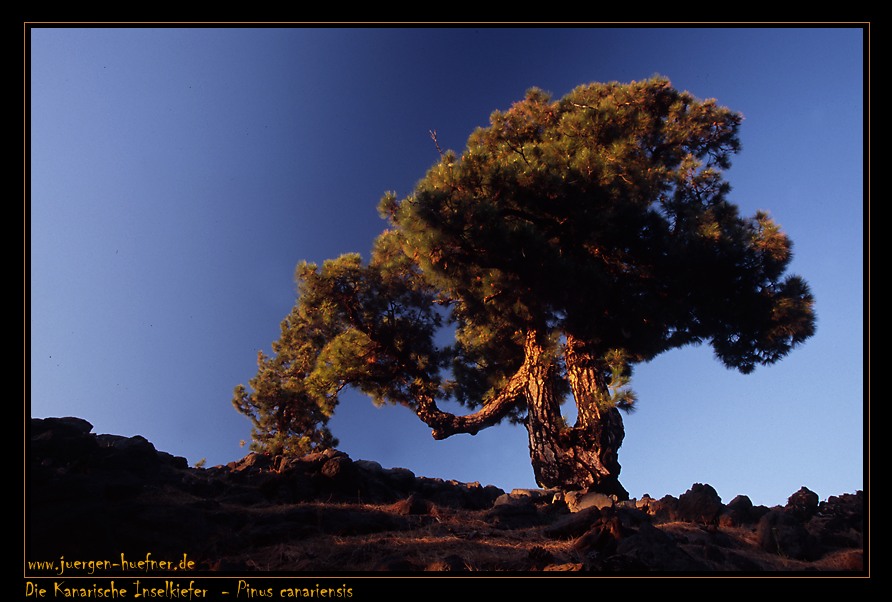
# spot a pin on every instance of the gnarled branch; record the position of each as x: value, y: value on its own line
x: 446, y: 424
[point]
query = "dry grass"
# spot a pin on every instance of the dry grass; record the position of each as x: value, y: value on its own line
x: 306, y: 537
x: 443, y: 540
x: 466, y: 541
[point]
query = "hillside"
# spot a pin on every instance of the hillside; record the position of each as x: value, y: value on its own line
x: 98, y: 496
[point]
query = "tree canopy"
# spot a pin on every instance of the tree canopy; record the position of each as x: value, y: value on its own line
x: 571, y: 240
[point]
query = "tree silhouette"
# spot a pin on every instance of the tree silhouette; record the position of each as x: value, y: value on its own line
x: 571, y: 240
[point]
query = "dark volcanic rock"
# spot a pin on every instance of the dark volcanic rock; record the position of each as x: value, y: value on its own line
x: 572, y: 525
x: 67, y: 439
x: 253, y: 461
x: 803, y: 504
x: 135, y: 454
x: 781, y: 532
x: 846, y: 510
x: 663, y: 509
x: 90, y: 494
x: 738, y: 511
x: 70, y: 424
x: 518, y: 514
x: 100, y: 496
x: 839, y: 522
x: 699, y: 504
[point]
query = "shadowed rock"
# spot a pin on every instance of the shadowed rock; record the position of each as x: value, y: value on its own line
x: 699, y: 504
x: 803, y: 504
x: 98, y: 496
x: 782, y: 533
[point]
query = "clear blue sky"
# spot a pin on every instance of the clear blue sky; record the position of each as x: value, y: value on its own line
x: 179, y: 174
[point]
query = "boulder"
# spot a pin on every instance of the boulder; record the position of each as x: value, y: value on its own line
x: 847, y: 508
x: 522, y: 496
x: 644, y: 503
x: 253, y: 461
x: 781, y: 532
x: 663, y: 509
x: 534, y: 494
x: 517, y: 513
x: 339, y: 468
x: 68, y: 425
x: 61, y: 439
x: 738, y: 511
x: 578, y: 500
x: 572, y: 525
x: 803, y: 504
x: 699, y: 504
x: 135, y: 453
x: 839, y: 522
x: 370, y: 466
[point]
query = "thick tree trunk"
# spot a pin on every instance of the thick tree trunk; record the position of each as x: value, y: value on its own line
x: 583, y: 456
x: 544, y: 422
x: 580, y: 457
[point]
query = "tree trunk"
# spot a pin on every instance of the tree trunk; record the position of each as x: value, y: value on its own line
x: 572, y: 458
x: 544, y: 422
x: 583, y: 456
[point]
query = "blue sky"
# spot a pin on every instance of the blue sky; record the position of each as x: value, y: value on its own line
x: 179, y: 174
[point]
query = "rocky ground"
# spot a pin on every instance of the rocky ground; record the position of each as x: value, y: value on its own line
x: 92, y: 496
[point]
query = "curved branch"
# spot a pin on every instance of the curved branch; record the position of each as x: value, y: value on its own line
x: 445, y: 424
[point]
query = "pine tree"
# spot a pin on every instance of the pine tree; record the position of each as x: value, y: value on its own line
x: 571, y: 240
